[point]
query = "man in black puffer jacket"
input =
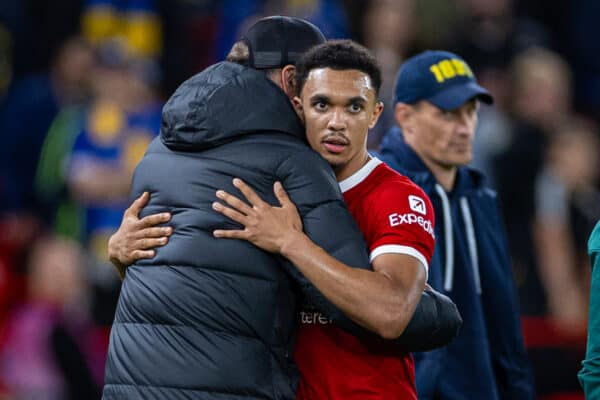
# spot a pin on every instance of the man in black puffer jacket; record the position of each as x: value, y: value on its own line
x: 214, y: 319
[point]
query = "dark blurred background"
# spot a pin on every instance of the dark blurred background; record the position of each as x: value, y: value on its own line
x: 82, y: 83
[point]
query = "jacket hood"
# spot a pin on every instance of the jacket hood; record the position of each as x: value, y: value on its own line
x: 225, y: 101
x: 394, y: 150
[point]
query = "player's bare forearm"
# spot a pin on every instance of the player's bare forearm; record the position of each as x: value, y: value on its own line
x: 382, y: 300
x: 381, y: 303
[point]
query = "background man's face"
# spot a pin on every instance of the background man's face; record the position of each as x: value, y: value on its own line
x: 443, y: 137
x: 339, y: 107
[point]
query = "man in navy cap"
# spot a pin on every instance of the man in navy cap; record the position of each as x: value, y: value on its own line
x: 436, y: 102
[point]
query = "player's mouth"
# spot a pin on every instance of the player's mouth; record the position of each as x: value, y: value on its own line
x: 335, y: 144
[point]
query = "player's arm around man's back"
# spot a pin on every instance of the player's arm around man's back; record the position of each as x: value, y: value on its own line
x: 328, y: 223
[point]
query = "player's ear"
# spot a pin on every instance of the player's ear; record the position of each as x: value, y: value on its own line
x: 376, y: 114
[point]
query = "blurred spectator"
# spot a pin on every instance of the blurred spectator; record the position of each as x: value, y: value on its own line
x: 491, y: 34
x: 37, y: 30
x: 437, y: 23
x: 48, y: 25
x: 42, y: 353
x: 18, y: 231
x: 200, y: 33
x: 389, y: 32
x: 51, y: 190
x: 542, y: 88
x: 575, y: 27
x: 492, y: 137
x: 236, y: 15
x: 567, y: 206
x: 232, y: 17
x: 135, y: 21
x: 540, y: 101
x: 193, y: 32
x: 328, y: 15
x: 31, y: 105
x: 122, y: 120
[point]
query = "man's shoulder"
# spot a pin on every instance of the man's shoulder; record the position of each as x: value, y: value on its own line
x: 301, y: 169
x: 294, y: 153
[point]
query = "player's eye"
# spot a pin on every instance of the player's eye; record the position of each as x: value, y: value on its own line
x: 320, y: 105
x: 355, y: 108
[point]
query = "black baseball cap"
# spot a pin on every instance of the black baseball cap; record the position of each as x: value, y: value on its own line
x: 276, y: 41
x: 442, y: 78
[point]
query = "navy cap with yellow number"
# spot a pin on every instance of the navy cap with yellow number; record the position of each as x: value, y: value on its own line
x: 439, y: 77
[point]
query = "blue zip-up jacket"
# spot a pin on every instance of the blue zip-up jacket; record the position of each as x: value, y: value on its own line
x: 471, y: 265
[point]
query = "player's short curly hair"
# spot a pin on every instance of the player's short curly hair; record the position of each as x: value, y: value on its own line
x: 339, y: 55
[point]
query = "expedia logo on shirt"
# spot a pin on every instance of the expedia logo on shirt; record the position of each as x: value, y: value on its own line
x: 411, y: 218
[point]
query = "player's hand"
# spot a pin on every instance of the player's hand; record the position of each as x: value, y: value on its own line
x: 136, y: 238
x: 270, y: 228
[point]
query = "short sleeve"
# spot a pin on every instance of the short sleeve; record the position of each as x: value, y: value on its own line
x: 403, y: 222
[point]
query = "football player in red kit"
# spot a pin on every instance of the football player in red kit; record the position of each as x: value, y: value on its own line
x: 338, y: 85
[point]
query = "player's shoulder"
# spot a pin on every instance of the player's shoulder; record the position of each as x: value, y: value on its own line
x: 392, y: 182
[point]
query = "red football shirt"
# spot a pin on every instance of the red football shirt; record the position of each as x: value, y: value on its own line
x: 395, y: 216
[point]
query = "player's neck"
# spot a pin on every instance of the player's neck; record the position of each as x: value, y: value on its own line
x: 351, y: 167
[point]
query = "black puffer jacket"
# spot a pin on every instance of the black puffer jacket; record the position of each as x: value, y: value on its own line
x: 214, y: 318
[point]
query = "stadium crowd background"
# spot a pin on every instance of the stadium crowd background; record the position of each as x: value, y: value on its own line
x: 82, y: 83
